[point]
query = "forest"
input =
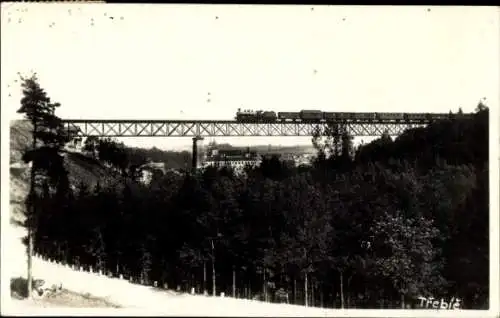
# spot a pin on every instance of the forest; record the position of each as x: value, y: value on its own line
x: 375, y: 227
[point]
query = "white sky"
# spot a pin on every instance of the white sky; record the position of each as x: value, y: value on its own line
x: 162, y: 61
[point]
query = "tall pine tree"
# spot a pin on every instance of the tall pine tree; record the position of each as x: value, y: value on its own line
x: 44, y: 155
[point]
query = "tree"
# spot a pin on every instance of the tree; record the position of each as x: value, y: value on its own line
x: 347, y: 221
x: 44, y: 155
x: 90, y: 145
x: 405, y: 256
x: 334, y: 146
x: 328, y: 142
x: 347, y: 149
x: 378, y: 150
x: 113, y: 153
x: 308, y: 229
x: 273, y: 168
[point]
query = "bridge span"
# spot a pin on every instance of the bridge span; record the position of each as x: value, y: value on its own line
x: 227, y: 128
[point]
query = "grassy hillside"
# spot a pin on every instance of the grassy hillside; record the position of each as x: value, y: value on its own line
x: 20, y: 138
x: 80, y: 168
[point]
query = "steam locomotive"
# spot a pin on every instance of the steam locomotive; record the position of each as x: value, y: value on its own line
x: 250, y: 116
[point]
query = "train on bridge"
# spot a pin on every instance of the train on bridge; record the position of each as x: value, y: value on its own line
x: 251, y: 116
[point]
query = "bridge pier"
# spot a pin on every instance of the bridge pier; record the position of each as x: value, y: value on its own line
x: 194, y: 159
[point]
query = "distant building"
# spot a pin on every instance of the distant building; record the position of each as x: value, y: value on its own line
x: 234, y: 158
x: 75, y: 144
x: 147, y: 176
x: 304, y: 159
x: 154, y: 166
x: 149, y: 169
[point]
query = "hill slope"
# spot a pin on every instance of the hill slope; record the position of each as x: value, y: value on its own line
x: 80, y: 168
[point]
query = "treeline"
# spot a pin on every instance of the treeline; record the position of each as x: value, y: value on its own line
x: 128, y: 160
x: 402, y: 219
x: 178, y: 160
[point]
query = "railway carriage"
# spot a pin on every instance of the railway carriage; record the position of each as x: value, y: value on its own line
x: 311, y: 115
x: 390, y: 116
x: 413, y: 116
x: 364, y: 116
x: 288, y: 116
x: 329, y: 116
x: 345, y: 116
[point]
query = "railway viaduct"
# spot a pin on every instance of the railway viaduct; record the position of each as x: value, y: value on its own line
x: 198, y: 129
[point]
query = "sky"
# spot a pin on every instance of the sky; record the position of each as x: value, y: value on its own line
x: 104, y: 61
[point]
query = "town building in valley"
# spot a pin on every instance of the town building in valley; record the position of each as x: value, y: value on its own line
x: 234, y: 158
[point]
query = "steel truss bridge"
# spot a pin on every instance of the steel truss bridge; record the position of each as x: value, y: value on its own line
x: 225, y: 128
